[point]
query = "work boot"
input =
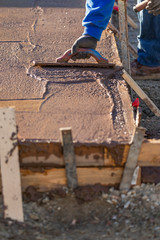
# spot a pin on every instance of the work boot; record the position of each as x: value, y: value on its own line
x: 138, y: 69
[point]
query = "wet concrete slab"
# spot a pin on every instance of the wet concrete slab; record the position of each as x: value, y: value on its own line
x: 43, y: 3
x: 94, y: 102
x: 15, y: 85
x: 15, y: 23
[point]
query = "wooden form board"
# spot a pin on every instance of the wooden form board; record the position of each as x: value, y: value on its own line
x: 150, y: 154
x: 52, y: 178
x: 45, y: 154
x: 148, y: 77
x: 10, y: 171
x: 55, y: 177
x: 23, y: 105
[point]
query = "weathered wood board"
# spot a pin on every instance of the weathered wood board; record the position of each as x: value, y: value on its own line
x: 10, y: 171
x: 45, y: 154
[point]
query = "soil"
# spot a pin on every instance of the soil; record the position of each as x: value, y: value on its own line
x: 92, y: 212
x: 88, y: 212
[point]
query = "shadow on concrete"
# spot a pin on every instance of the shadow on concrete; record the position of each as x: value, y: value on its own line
x: 43, y: 3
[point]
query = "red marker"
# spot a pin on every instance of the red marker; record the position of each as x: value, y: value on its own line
x: 136, y: 103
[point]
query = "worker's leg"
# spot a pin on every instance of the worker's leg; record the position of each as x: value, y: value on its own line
x: 98, y: 13
x: 149, y: 39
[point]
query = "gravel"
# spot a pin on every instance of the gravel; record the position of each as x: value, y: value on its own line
x: 109, y: 214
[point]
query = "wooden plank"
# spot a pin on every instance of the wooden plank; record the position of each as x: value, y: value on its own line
x: 10, y: 171
x: 148, y: 77
x: 56, y: 177
x: 131, y: 22
x: 131, y: 162
x: 150, y: 175
x: 139, y: 178
x: 150, y: 154
x: 69, y: 157
x: 141, y: 93
x: 23, y: 105
x: 140, y: 6
x: 116, y: 156
x: 123, y: 26
x: 49, y: 154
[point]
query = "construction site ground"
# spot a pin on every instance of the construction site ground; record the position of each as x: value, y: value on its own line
x: 89, y: 212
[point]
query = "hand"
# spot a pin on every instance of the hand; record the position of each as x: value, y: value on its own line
x: 153, y: 7
x: 85, y: 41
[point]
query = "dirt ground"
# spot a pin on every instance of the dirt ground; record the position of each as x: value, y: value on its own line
x: 93, y: 212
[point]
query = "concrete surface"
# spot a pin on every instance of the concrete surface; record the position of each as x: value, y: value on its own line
x: 94, y: 102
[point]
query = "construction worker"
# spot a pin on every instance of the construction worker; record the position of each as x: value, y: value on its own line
x: 98, y: 13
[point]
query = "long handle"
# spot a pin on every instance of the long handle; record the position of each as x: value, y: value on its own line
x: 140, y: 6
x: 67, y: 55
x: 141, y: 93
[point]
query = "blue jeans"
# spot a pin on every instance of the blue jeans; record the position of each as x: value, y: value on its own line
x: 149, y: 39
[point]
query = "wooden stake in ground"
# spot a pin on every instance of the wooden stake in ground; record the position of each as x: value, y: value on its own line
x: 10, y: 172
x: 123, y: 26
x: 69, y: 157
x: 131, y: 162
x: 141, y: 93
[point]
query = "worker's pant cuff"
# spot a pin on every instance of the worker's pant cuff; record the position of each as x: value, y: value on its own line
x: 93, y: 31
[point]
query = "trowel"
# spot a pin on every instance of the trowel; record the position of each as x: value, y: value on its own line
x: 140, y: 6
x: 63, y: 61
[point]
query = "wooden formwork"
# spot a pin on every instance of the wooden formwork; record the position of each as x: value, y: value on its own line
x: 42, y: 163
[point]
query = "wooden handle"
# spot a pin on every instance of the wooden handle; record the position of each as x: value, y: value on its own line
x: 141, y: 93
x: 140, y: 6
x: 67, y: 56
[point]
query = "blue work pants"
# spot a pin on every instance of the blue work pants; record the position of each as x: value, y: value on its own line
x: 149, y: 39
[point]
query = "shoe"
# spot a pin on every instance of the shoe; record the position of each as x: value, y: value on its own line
x: 138, y: 69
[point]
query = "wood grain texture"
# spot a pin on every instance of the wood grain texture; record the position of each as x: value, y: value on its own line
x: 10, y: 171
x: 141, y: 93
x: 132, y: 159
x: 147, y: 77
x: 49, y: 179
x: 123, y: 26
x: 45, y: 154
x: 69, y: 157
x: 150, y: 154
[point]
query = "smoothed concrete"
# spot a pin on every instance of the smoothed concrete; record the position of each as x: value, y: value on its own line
x: 94, y: 102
